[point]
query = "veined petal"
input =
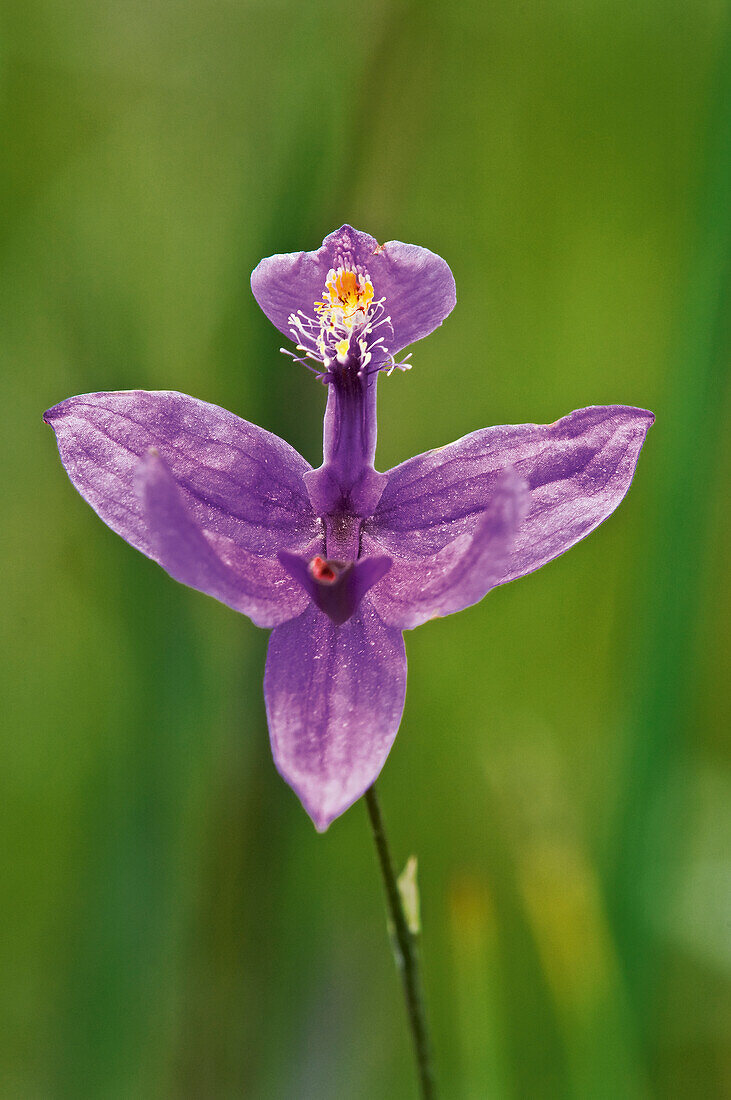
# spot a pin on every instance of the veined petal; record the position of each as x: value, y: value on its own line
x: 462, y: 572
x: 417, y: 284
x: 238, y: 480
x: 334, y: 698
x: 256, y: 586
x: 577, y: 469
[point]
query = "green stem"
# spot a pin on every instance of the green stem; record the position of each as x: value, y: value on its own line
x: 406, y: 952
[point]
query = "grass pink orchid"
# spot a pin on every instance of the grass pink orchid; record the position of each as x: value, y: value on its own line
x: 339, y: 560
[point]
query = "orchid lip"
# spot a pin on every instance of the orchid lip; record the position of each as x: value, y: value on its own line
x: 349, y: 327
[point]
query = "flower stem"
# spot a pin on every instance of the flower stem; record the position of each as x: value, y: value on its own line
x: 405, y: 952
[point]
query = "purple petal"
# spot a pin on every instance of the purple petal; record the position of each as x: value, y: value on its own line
x: 459, y: 574
x: 334, y: 697
x: 417, y: 284
x: 258, y: 587
x: 237, y: 480
x: 577, y: 470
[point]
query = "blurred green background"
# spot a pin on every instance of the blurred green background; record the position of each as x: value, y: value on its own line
x: 172, y: 924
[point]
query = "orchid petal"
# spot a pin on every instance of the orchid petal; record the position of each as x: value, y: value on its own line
x: 462, y: 572
x: 417, y: 284
x: 577, y: 469
x: 238, y: 480
x: 334, y: 698
x: 256, y: 586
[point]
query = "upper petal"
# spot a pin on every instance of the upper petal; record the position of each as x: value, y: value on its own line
x: 577, y: 470
x: 256, y: 586
x: 462, y: 572
x: 237, y: 480
x: 417, y: 284
x: 334, y: 699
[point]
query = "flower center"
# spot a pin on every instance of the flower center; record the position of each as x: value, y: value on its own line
x: 347, y: 298
x: 346, y: 302
x: 344, y: 310
x: 342, y: 332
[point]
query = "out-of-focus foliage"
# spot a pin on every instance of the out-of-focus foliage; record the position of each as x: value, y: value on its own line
x: 172, y: 925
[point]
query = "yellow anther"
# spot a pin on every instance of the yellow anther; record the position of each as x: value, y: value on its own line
x: 347, y: 297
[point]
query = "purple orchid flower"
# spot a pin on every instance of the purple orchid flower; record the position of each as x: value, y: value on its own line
x: 341, y: 559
